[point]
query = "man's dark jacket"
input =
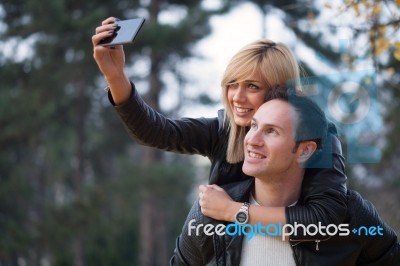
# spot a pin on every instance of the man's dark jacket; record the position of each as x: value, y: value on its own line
x: 335, y: 250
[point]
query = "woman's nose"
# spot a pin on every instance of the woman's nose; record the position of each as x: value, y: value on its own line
x: 240, y: 94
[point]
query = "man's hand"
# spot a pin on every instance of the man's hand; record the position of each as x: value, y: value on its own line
x: 217, y: 204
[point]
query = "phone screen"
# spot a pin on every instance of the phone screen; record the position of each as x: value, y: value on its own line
x: 126, y: 33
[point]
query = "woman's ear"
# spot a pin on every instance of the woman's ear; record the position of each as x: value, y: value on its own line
x: 306, y: 150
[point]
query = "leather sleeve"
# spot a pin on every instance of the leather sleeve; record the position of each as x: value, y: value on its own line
x: 193, y: 250
x: 323, y: 196
x: 381, y: 247
x: 150, y: 128
x: 210, y: 250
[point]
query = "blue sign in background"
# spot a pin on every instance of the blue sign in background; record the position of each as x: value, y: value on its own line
x: 351, y: 101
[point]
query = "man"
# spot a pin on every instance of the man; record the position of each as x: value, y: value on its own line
x: 285, y: 133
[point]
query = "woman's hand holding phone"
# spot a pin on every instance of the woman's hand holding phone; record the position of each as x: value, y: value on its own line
x: 111, y: 61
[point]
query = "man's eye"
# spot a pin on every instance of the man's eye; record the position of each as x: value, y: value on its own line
x: 271, y: 131
x: 253, y: 126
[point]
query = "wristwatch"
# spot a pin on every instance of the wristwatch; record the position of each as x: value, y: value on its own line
x: 242, y: 216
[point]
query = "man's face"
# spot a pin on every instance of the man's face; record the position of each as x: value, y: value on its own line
x: 269, y: 144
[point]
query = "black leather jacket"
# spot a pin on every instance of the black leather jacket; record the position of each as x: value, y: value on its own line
x: 352, y: 249
x: 323, y: 189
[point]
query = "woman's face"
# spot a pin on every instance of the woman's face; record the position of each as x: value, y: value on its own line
x: 245, y: 97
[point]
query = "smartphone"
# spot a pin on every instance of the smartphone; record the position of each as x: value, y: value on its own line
x: 125, y: 32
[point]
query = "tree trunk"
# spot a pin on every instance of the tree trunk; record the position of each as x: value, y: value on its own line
x: 153, y: 242
x: 77, y: 246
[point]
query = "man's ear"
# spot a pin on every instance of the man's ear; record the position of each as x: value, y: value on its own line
x: 306, y: 150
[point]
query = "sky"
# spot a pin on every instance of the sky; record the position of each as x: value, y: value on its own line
x: 230, y: 32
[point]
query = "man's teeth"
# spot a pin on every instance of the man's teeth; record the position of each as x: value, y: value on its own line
x: 255, y: 155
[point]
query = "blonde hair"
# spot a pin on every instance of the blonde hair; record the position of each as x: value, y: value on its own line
x: 276, y: 65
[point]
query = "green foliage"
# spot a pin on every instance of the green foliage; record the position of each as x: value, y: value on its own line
x: 107, y: 218
x: 70, y: 188
x: 389, y: 166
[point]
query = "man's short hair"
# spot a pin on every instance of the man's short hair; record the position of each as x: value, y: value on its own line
x: 312, y: 123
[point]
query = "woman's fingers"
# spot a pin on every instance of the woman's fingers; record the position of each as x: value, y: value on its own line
x: 109, y: 20
x: 106, y: 30
x: 100, y: 36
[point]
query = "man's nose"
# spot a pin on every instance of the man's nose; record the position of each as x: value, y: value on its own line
x: 255, y: 138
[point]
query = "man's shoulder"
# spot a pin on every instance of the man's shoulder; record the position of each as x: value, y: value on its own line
x: 239, y: 190
x: 364, y: 217
x: 360, y: 210
x: 378, y: 239
x: 360, y: 207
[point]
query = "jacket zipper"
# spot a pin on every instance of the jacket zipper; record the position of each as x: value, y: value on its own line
x: 317, y: 241
x: 316, y: 245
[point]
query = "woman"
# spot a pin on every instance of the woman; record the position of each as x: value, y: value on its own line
x: 252, y: 71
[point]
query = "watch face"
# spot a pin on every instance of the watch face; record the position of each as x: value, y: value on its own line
x: 241, y: 217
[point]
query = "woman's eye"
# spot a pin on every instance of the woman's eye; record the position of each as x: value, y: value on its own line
x: 252, y: 86
x: 232, y: 85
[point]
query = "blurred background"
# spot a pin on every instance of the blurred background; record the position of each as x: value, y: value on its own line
x: 75, y: 189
